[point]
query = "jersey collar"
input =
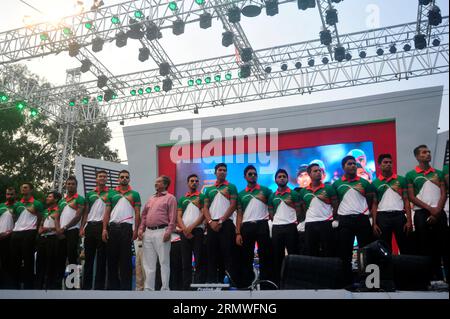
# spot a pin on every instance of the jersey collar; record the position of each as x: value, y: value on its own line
x: 247, y: 189
x: 189, y: 194
x: 425, y: 172
x: 30, y: 200
x: 345, y: 179
x: 118, y: 189
x: 225, y: 182
x: 286, y: 191
x: 390, y: 178
x: 310, y: 187
x: 69, y: 199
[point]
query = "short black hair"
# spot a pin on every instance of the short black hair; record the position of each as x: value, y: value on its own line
x: 72, y: 178
x: 57, y: 195
x: 124, y: 171
x: 192, y: 175
x: 310, y: 167
x: 346, y: 159
x: 166, y: 180
x: 383, y: 156
x: 100, y: 172
x: 29, y: 184
x: 249, y: 167
x: 219, y: 165
x: 417, y: 149
x: 281, y: 170
x: 302, y: 168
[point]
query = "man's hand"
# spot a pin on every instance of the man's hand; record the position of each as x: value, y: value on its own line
x: 239, y: 240
x: 408, y: 226
x: 140, y: 234
x: 431, y: 220
x: 82, y: 232
x: 166, y: 237
x: 434, y: 211
x: 105, y: 235
x: 135, y: 234
x: 376, y: 230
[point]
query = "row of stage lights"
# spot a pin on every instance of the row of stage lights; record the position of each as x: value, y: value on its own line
x: 20, y: 105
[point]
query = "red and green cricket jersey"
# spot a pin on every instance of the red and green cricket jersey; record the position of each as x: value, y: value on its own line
x: 283, y: 206
x: 7, y: 212
x: 426, y: 185
x: 27, y: 212
x: 352, y: 195
x: 68, y: 207
x: 390, y: 192
x: 48, y: 218
x: 123, y: 203
x: 191, y: 205
x: 318, y: 202
x: 219, y: 196
x: 97, y: 204
x: 253, y: 203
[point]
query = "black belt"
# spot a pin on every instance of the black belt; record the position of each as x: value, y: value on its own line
x: 256, y: 221
x: 157, y: 227
x: 95, y: 222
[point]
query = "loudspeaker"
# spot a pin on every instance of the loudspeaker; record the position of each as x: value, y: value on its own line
x: 411, y: 272
x: 308, y: 272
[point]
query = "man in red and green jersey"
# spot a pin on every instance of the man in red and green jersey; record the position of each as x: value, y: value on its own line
x: 392, y: 205
x: 321, y: 208
x: 285, y: 212
x: 23, y: 238
x: 71, y: 209
x: 220, y: 205
x: 122, y: 214
x: 47, y: 276
x: 356, y: 196
x: 426, y: 190
x: 190, y: 221
x: 7, y: 213
x: 252, y: 226
x: 91, y: 229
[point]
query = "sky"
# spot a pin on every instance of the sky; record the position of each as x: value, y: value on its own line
x: 289, y: 26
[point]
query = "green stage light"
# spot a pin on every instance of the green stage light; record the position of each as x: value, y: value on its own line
x: 67, y: 31
x: 34, y: 112
x: 99, y: 98
x: 20, y: 105
x: 191, y: 82
x: 148, y: 90
x: 157, y: 88
x: 88, y: 25
x: 208, y: 79
x: 200, y: 2
x: 198, y: 81
x: 138, y: 14
x: 133, y: 92
x: 85, y: 100
x: 217, y: 78
x: 115, y: 20
x: 141, y: 91
x: 72, y: 103
x: 114, y: 96
x: 44, y: 36
x: 3, y: 97
x: 173, y: 5
x: 228, y: 76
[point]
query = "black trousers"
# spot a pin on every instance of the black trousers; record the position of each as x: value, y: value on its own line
x: 68, y: 251
x: 94, y: 248
x: 393, y: 222
x: 432, y: 240
x: 119, y: 256
x: 283, y: 237
x: 5, y: 263
x: 256, y: 232
x: 349, y: 227
x: 319, y: 239
x: 221, y: 244
x: 47, y: 263
x: 23, y: 244
x: 189, y: 247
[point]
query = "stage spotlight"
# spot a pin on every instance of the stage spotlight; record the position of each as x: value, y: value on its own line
x: 336, y: 1
x: 362, y: 54
x: 380, y: 51
x: 144, y: 54
x: 135, y: 31
x: 393, y: 49
x: 331, y: 17
x: 246, y: 54
x: 167, y: 85
x: 196, y: 110
x: 72, y: 102
x: 74, y: 49
x: 420, y: 41
x: 305, y: 4
x: 178, y: 27
x: 245, y: 71
x: 407, y: 47
x: 424, y: 2
x: 3, y: 97
x: 284, y: 67
x: 234, y: 14
x: 85, y: 65
x: 121, y: 39
x: 348, y: 56
x: 325, y: 60
x: 436, y: 42
x: 97, y: 4
x: 271, y: 7
x: 227, y: 38
x: 339, y: 54
x: 34, y: 112
x: 311, y: 62
x: 251, y: 11
x: 153, y: 31
x: 102, y: 81
x: 164, y: 69
x: 298, y: 65
x: 268, y: 69
x: 205, y: 20
x: 97, y: 44
x: 325, y: 37
x: 434, y: 16
x: 109, y: 95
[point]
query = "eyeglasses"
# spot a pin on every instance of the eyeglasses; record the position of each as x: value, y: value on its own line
x: 124, y: 177
x: 196, y: 181
x: 252, y: 174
